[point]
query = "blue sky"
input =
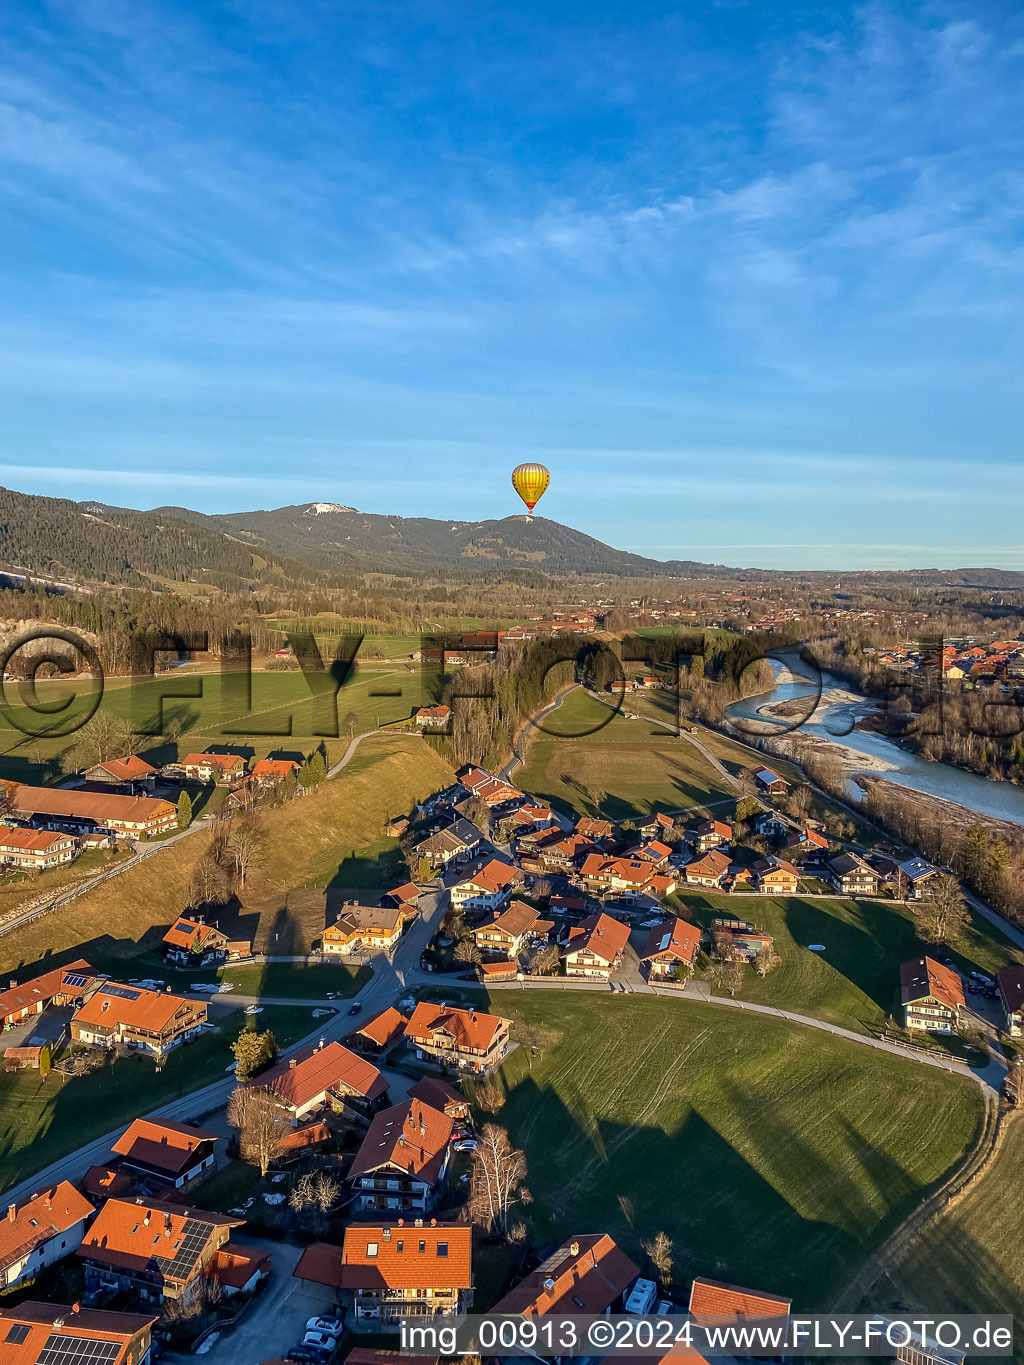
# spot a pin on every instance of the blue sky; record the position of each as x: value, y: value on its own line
x: 747, y: 277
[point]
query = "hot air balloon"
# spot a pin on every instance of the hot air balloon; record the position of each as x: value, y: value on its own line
x: 530, y: 481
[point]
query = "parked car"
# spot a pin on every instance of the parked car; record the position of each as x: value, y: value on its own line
x: 332, y: 1326
x: 308, y: 1355
x: 324, y: 1341
x: 466, y: 1144
x: 254, y: 1009
x: 355, y: 1009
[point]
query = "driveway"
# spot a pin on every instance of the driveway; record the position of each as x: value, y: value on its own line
x: 276, y: 1321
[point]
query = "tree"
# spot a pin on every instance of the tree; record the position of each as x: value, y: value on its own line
x: 184, y: 810
x: 261, y: 1124
x: 660, y: 1253
x: 800, y: 801
x: 490, y: 1096
x: 45, y: 1062
x: 467, y: 951
x: 498, y: 1180
x: 350, y: 725
x: 747, y: 807
x: 317, y: 1192
x: 207, y: 885
x: 725, y: 971
x: 253, y: 1052
x: 424, y: 870
x: 248, y: 842
x: 766, y: 960
x: 942, y: 916
x: 103, y: 737
x: 313, y: 772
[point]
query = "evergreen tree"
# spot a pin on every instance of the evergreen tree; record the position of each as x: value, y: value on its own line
x: 184, y: 810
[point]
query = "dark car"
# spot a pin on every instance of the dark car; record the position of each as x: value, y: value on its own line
x: 354, y: 1009
x: 308, y: 1355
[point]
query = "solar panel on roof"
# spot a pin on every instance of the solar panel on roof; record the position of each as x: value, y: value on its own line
x: 74, y: 979
x: 122, y: 992
x: 17, y: 1334
x: 61, y: 1349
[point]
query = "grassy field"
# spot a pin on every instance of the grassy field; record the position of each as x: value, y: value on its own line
x: 283, y: 714
x: 332, y: 836
x: 290, y: 980
x: 970, y: 1258
x: 773, y: 1156
x: 623, y: 768
x: 855, y: 981
x: 42, y: 1120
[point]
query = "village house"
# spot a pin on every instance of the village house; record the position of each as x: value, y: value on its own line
x: 670, y: 945
x: 82, y: 812
x: 239, y: 1269
x: 191, y: 943
x: 712, y: 1302
x: 588, y: 1274
x: 456, y: 841
x: 852, y: 876
x: 652, y: 826
x: 321, y: 1076
x: 365, y: 928
x: 509, y: 932
x: 222, y: 768
x: 378, y: 1034
x: 40, y: 1231
x: 160, y: 1149
x: 271, y: 772
x: 631, y: 878
x: 739, y: 938
x: 654, y: 852
x: 595, y: 946
x: 775, y: 877
x: 533, y: 818
x: 121, y: 772
x: 35, y: 850
x: 405, y: 897
x: 920, y: 877
x: 462, y: 1040
x: 402, y: 1160
x: 1011, y: 994
x: 771, y: 782
x: 590, y: 827
x: 440, y: 1095
x: 769, y: 825
x: 492, y: 791
x: 712, y: 834
x: 63, y: 986
x: 707, y: 871
x: 487, y: 888
x: 396, y: 826
x: 36, y: 1333
x: 151, y: 1021
x: 432, y: 717
x: 561, y: 853
x: 932, y: 996
x: 407, y: 1270
x: 152, y: 1251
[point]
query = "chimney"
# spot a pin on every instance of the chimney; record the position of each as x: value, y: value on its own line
x: 292, y: 1063
x: 574, y: 1248
x: 386, y: 1235
x: 12, y: 1212
x: 322, y: 1044
x: 418, y: 1223
x: 145, y: 1221
x: 549, y: 1285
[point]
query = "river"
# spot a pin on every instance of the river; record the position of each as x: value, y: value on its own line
x: 834, y: 722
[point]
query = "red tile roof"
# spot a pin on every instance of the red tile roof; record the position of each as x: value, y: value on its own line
x: 411, y: 1137
x: 402, y: 1256
x: 925, y: 977
x: 600, y: 934
x: 273, y: 769
x: 234, y: 1264
x: 42, y: 989
x: 161, y: 1143
x: 382, y: 1029
x: 190, y: 933
x: 468, y: 1028
x: 589, y: 1274
x: 714, y: 1299
x: 225, y: 762
x: 31, y: 840
x: 48, y: 1322
x: 134, y: 1007
x: 673, y: 939
x: 44, y: 1215
x: 144, y: 1235
x: 99, y: 807
x: 127, y: 769
x: 320, y: 1263
x: 438, y: 1094
x: 312, y: 1071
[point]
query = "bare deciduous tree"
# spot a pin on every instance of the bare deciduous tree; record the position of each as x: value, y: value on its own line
x: 490, y: 1096
x: 660, y: 1252
x: 467, y: 951
x: 497, y: 1184
x: 942, y: 916
x: 725, y: 971
x: 261, y: 1124
x: 766, y: 961
x: 207, y: 885
x: 248, y: 841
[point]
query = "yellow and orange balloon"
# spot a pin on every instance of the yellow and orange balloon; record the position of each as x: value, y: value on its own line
x: 531, y: 481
